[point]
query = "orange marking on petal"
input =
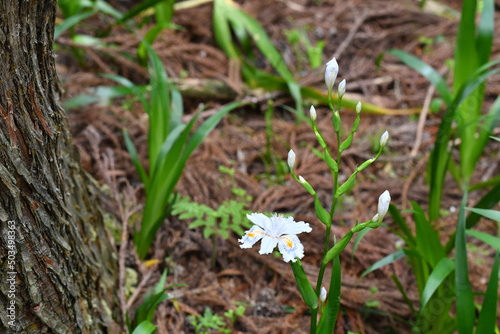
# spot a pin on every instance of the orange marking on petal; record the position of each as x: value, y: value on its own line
x: 288, y: 241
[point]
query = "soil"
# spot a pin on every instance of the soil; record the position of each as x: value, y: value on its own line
x: 357, y: 33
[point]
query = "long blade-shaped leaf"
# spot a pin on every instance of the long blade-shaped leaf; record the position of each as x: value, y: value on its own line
x: 331, y: 310
x: 440, y: 272
x: 428, y: 244
x: 488, y: 315
x: 465, y: 301
x: 440, y: 155
x: 486, y: 238
x: 485, y: 31
x: 135, y: 159
x: 425, y: 70
x: 385, y: 261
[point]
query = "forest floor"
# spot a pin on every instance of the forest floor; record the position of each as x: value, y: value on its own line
x: 356, y: 32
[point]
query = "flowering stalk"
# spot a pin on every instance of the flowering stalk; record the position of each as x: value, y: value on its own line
x: 282, y: 232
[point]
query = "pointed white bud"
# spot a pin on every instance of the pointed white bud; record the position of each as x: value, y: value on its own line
x: 342, y: 88
x: 312, y: 113
x: 383, y: 204
x: 291, y: 159
x: 383, y: 139
x: 301, y: 179
x: 358, y: 107
x: 332, y: 69
x: 375, y: 218
x: 322, y: 294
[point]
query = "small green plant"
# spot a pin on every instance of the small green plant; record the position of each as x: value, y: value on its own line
x: 229, y: 216
x: 206, y: 323
x: 304, y: 50
x: 233, y: 315
x: 142, y: 323
x: 170, y: 144
x: 275, y: 169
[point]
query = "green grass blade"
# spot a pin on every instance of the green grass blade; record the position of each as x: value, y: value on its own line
x: 359, y: 237
x: 486, y: 238
x: 465, y: 301
x: 159, y: 112
x: 438, y: 275
x: 407, y: 234
x: 135, y: 159
x: 69, y: 23
x: 402, y: 290
x: 331, y: 310
x: 466, y: 58
x: 138, y: 91
x: 142, y: 6
x: 265, y: 45
x: 385, y: 261
x: 477, y: 145
x: 486, y: 202
x: 488, y: 316
x: 145, y: 327
x: 428, y: 244
x: 222, y: 31
x: 425, y: 70
x: 490, y: 214
x: 440, y: 156
x: 485, y: 31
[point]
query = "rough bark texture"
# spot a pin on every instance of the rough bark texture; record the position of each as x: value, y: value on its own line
x: 57, y: 265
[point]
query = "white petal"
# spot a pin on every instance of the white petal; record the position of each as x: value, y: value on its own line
x: 267, y: 245
x: 290, y: 247
x: 383, y: 204
x: 261, y: 220
x: 251, y: 237
x: 292, y: 227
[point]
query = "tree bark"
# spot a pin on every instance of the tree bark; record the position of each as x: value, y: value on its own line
x: 57, y: 265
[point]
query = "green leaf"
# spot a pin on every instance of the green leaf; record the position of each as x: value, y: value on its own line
x: 70, y: 22
x: 425, y: 70
x: 407, y: 234
x: 440, y: 155
x: 428, y: 243
x: 490, y: 214
x: 305, y: 287
x: 135, y: 159
x: 145, y: 327
x: 385, y: 261
x: 486, y: 238
x: 331, y: 310
x: 359, y: 237
x: 438, y: 275
x: 142, y: 6
x: 488, y: 316
x: 465, y: 301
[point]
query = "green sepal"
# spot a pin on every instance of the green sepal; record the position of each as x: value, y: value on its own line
x: 305, y: 287
x: 308, y: 187
x: 322, y: 214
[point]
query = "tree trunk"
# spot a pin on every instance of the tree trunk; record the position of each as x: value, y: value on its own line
x: 57, y: 265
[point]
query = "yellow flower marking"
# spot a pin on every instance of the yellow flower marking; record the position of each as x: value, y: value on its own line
x: 288, y: 241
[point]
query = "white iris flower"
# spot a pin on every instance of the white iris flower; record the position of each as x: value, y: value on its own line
x: 277, y: 230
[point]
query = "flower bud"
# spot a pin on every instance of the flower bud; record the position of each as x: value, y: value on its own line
x: 291, y: 160
x: 307, y: 186
x: 383, y: 139
x: 332, y: 69
x: 322, y: 294
x: 383, y: 204
x: 342, y: 88
x: 312, y: 113
x: 358, y: 107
